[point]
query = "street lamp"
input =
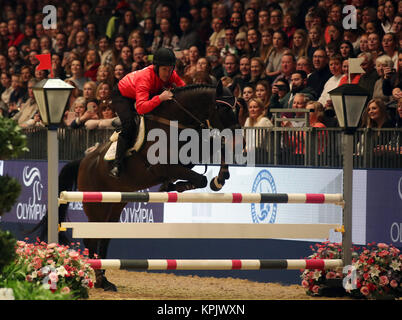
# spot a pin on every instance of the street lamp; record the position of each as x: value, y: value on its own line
x: 349, y: 101
x: 52, y: 96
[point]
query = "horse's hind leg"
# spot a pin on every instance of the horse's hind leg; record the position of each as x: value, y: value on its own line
x: 218, y: 182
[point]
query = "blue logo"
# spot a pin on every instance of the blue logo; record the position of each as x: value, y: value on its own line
x: 264, y: 212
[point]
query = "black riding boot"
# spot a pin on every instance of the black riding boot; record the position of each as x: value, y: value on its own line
x: 122, y: 147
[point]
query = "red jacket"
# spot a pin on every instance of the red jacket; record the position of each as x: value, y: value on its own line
x: 142, y: 84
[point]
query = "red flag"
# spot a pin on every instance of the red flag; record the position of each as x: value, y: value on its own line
x: 45, y: 62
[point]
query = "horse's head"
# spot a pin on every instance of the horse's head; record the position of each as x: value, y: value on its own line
x: 227, y: 108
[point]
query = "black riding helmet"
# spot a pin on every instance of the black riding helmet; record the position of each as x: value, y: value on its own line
x: 164, y: 57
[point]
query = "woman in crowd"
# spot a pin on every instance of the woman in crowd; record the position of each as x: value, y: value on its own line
x: 266, y: 44
x: 77, y: 74
x: 250, y: 19
x: 5, y: 80
x: 346, y: 49
x: 104, y: 117
x: 248, y: 93
x: 126, y: 57
x: 103, y: 92
x: 91, y: 64
x: 105, y: 74
x: 389, y: 43
x: 300, y: 43
x: 263, y: 92
x: 118, y: 44
x: 203, y: 65
x: 381, y: 63
x: 315, y: 40
x: 257, y: 71
x: 136, y: 39
x: 89, y: 90
x: 279, y: 43
x: 84, y: 111
x: 165, y: 37
x: 254, y: 40
x: 241, y: 44
x: 376, y: 116
x: 374, y: 45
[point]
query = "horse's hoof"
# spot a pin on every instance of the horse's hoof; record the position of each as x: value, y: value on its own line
x: 215, y: 185
x: 110, y: 287
x: 167, y: 186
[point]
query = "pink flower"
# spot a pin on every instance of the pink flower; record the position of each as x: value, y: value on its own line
x: 81, y: 273
x: 20, y: 243
x: 384, y: 280
x: 74, y: 255
x: 65, y: 290
x: 393, y: 284
x: 364, y: 290
x: 315, y: 289
x: 51, y: 245
x: 382, y: 246
x: 53, y: 277
x: 305, y: 284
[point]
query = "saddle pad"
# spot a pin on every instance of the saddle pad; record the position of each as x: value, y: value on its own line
x: 111, y: 152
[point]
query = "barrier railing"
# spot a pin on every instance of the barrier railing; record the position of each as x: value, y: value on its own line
x: 315, y: 147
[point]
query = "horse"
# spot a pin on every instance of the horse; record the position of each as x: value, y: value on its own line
x: 194, y: 106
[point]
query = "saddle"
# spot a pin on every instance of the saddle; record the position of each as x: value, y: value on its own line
x: 138, y: 141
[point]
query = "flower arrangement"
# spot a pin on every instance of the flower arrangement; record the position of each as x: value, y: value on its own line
x: 376, y: 272
x: 379, y: 272
x: 54, y: 267
x: 316, y: 282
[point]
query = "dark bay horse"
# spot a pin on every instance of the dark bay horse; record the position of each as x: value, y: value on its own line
x: 194, y: 106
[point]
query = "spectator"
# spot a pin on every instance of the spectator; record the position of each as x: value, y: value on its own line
x: 381, y: 63
x: 392, y: 84
x: 213, y: 56
x: 354, y: 77
x: 7, y: 89
x: 229, y: 47
x: 397, y: 24
x: 300, y: 43
x: 276, y: 19
x: 263, y: 19
x: 299, y: 102
x: 257, y: 71
x: 105, y: 74
x: 92, y: 35
x: 370, y: 76
x: 304, y: 63
x: 194, y: 55
x: 316, y: 40
x: 89, y: 90
x: 266, y: 44
x: 389, y: 44
x: 126, y: 57
x: 128, y: 23
x: 80, y: 44
x: 83, y: 112
x: 105, y: 116
x: 299, y: 85
x: 15, y: 36
x: 165, y: 37
x: 204, y: 66
x: 17, y: 94
x: 148, y: 34
x: 75, y: 93
x: 26, y: 112
x: 321, y: 74
x: 248, y: 93
x: 236, y: 22
x: 289, y: 26
x: 245, y: 72
x: 346, y: 49
x: 263, y: 92
x: 231, y: 66
x: 136, y: 39
x: 254, y: 42
x: 4, y: 65
x: 77, y: 74
x: 118, y: 44
x: 189, y: 36
x: 201, y: 77
x: 288, y: 66
x: 58, y: 70
x: 376, y: 116
x: 363, y: 44
x: 217, y: 38
x: 104, y: 51
x: 14, y: 60
x: 250, y: 19
x: 280, y: 87
x: 140, y: 59
x: 103, y: 92
x: 335, y: 66
x: 241, y: 44
x: 279, y: 42
x: 389, y: 14
x: 374, y: 45
x: 316, y: 118
x: 91, y: 64
x: 353, y: 36
x: 256, y: 116
x: 398, y: 117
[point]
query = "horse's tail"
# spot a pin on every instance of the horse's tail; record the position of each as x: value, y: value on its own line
x: 67, y: 182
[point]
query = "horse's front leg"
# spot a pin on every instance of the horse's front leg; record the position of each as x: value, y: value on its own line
x: 218, y: 182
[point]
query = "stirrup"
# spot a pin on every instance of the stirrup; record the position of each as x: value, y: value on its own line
x: 115, y: 172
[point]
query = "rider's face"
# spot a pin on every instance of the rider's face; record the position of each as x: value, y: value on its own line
x: 165, y: 72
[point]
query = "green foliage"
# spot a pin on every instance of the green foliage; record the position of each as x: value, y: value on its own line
x: 10, y: 190
x: 12, y: 140
x: 7, y: 251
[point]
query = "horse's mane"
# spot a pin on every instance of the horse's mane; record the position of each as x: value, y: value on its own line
x: 193, y: 87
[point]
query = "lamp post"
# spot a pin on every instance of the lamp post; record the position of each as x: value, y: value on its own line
x: 349, y: 100
x: 52, y: 96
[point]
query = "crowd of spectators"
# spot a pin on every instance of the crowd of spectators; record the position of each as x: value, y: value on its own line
x: 273, y: 54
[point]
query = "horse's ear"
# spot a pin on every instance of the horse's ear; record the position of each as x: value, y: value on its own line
x: 219, y: 89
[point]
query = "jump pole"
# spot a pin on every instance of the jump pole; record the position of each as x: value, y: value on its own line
x: 218, y: 264
x: 200, y: 197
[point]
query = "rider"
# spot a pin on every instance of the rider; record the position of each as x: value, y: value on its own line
x: 147, y: 88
